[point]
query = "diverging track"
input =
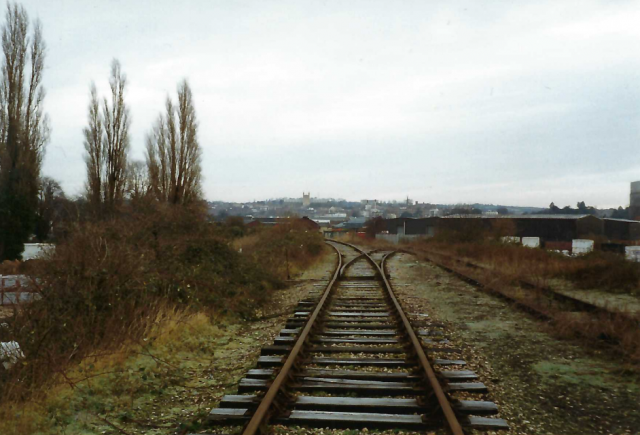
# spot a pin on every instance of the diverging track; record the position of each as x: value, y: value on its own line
x: 350, y: 358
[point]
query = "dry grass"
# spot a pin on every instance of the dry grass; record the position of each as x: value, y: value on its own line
x: 110, y: 281
x: 283, y: 250
x: 109, y: 382
x: 597, y: 270
x: 503, y: 268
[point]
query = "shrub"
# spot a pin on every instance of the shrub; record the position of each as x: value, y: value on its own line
x: 283, y: 249
x: 109, y: 280
x: 604, y: 270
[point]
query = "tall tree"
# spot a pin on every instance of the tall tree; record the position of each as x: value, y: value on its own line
x: 106, y: 140
x: 50, y: 193
x: 95, y: 153
x: 137, y: 180
x: 173, y: 151
x: 24, y: 129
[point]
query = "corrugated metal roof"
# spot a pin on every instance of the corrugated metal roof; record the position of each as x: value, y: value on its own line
x: 622, y: 220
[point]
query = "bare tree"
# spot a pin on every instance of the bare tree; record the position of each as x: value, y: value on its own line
x: 106, y: 140
x: 93, y: 144
x: 173, y: 151
x: 116, y: 145
x: 50, y: 193
x: 24, y: 129
x: 137, y: 180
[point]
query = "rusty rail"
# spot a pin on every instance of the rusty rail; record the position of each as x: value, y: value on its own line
x: 261, y: 415
x: 450, y: 416
x: 452, y: 421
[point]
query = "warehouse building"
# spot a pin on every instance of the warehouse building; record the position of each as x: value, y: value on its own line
x: 549, y: 228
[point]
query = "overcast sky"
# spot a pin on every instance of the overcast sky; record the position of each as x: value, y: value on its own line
x: 517, y: 103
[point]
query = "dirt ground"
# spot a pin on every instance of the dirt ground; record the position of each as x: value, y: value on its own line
x: 542, y: 384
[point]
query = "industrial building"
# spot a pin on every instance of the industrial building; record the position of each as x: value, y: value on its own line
x: 549, y: 228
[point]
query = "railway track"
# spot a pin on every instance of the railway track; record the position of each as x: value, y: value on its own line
x: 350, y: 358
x: 546, y: 300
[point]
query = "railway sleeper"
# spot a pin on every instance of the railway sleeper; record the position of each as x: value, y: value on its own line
x: 358, y: 314
x: 469, y: 387
x: 287, y: 340
x: 353, y: 420
x: 484, y: 423
x: 458, y: 375
x: 476, y: 407
x: 320, y: 339
x: 277, y: 349
x: 387, y: 336
x: 376, y: 362
x: 238, y: 408
x: 372, y: 332
x: 361, y: 308
x: 381, y: 322
x: 449, y: 362
x: 449, y: 375
x: 356, y: 349
x: 338, y: 374
x: 344, y: 404
x: 363, y: 325
x: 336, y: 385
x: 365, y: 389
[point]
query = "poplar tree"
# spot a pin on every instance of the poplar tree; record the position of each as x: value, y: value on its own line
x: 24, y: 129
x: 173, y: 151
x: 106, y: 141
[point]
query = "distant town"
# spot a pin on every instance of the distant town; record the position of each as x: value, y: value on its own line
x: 330, y: 211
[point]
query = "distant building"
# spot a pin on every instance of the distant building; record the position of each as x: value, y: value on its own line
x: 353, y: 223
x: 306, y: 199
x: 274, y: 222
x: 549, y: 228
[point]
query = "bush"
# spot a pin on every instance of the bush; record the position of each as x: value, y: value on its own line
x: 110, y: 280
x: 604, y: 270
x: 283, y: 249
x: 597, y: 270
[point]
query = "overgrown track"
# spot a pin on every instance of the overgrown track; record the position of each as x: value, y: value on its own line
x: 547, y: 301
x: 350, y: 358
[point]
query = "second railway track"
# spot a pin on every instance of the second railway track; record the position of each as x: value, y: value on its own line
x: 350, y: 358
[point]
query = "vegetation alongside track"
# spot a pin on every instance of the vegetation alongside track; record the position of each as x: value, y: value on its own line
x: 597, y: 270
x: 111, y: 284
x: 506, y: 269
x: 543, y: 385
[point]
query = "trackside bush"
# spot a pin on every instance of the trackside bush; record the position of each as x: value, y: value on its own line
x: 604, y: 270
x: 283, y: 249
x: 109, y: 281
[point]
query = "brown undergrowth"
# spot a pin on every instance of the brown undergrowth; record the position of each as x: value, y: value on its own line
x: 113, y: 281
x: 601, y: 270
x: 285, y: 249
x: 503, y: 268
x: 111, y: 389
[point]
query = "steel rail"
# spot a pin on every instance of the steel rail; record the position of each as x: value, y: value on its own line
x: 349, y: 263
x: 450, y: 416
x: 261, y: 413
